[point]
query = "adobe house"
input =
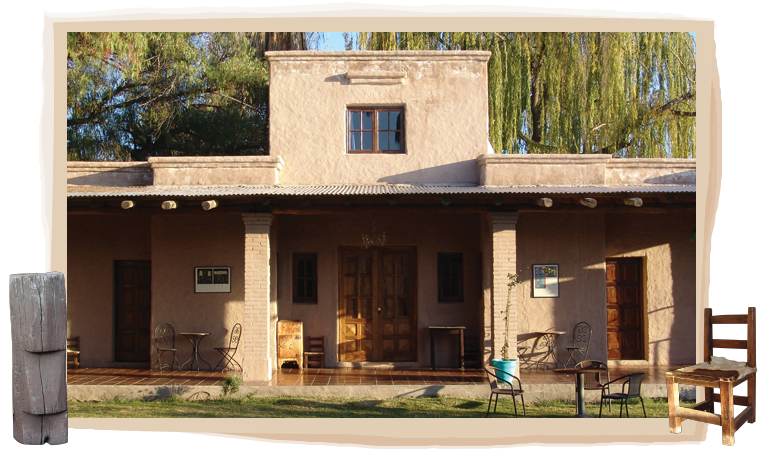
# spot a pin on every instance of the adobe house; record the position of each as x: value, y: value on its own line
x: 379, y: 213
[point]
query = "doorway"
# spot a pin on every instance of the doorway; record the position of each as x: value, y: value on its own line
x: 377, y: 311
x: 625, y: 309
x: 132, y: 311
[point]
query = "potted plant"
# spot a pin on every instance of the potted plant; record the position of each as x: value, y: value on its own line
x: 505, y: 363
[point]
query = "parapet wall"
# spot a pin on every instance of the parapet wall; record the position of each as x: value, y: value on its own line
x: 575, y: 170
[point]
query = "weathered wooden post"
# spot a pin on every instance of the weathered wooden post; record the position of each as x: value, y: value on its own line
x: 38, y: 326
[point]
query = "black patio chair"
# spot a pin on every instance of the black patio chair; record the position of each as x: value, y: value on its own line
x: 581, y: 341
x: 633, y: 384
x: 495, y: 380
x: 597, y: 382
x: 164, y: 338
x: 228, y: 353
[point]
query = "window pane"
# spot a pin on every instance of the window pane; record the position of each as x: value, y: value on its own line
x: 366, y: 120
x: 382, y: 120
x: 366, y: 140
x: 308, y: 270
x: 356, y: 120
x: 300, y: 291
x: 382, y: 142
x: 395, y: 143
x: 356, y: 140
x: 309, y: 289
x: 395, y: 120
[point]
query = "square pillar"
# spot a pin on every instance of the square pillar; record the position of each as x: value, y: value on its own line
x: 504, y: 262
x: 257, y: 365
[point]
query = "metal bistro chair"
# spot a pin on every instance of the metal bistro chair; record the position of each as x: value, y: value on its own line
x: 228, y: 353
x: 494, y: 381
x: 633, y: 382
x: 597, y: 382
x: 581, y: 340
x: 164, y: 337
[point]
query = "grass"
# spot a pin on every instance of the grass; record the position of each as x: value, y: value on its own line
x: 335, y: 407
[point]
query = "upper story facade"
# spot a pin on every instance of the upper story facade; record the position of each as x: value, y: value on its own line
x: 382, y: 117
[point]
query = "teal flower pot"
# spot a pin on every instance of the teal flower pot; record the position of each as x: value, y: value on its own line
x: 501, y: 365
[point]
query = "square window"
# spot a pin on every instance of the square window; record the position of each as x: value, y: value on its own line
x: 375, y: 130
x: 450, y: 277
x: 304, y: 278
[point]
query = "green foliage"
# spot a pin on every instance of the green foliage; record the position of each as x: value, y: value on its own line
x: 625, y: 94
x: 134, y: 95
x: 231, y: 385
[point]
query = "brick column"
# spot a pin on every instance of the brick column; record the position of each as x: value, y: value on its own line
x: 257, y: 365
x: 503, y: 232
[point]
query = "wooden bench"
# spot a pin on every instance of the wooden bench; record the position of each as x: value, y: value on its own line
x: 72, y: 351
x: 713, y: 377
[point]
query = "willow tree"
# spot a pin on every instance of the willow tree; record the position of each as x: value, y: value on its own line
x: 135, y: 95
x: 625, y: 94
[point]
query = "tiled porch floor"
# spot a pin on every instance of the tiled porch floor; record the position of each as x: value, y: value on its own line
x: 339, y: 377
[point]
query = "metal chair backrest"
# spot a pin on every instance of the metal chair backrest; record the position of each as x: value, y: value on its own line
x: 634, y: 384
x: 237, y: 331
x: 581, y: 334
x: 599, y: 378
x: 164, y: 336
x: 494, y: 379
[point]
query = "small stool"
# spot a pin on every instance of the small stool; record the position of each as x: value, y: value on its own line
x: 315, y: 353
x: 72, y: 351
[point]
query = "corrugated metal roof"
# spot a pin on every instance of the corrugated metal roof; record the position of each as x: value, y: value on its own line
x: 75, y: 191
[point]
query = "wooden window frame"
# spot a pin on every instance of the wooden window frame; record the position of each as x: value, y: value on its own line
x: 297, y: 257
x: 441, y: 278
x: 375, y: 134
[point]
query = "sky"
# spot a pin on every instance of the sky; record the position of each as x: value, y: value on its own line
x: 25, y: 221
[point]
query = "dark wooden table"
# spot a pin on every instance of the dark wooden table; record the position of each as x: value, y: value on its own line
x: 195, y: 340
x: 446, y: 330
x: 580, y: 400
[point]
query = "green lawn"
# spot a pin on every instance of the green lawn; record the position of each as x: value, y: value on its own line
x: 286, y: 407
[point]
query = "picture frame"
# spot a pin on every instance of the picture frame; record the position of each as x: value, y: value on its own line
x: 545, y: 281
x: 213, y: 279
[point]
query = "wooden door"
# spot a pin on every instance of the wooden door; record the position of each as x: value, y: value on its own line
x: 132, y: 334
x: 625, y: 309
x: 378, y: 303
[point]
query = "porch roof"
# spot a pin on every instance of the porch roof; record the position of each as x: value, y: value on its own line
x: 82, y: 191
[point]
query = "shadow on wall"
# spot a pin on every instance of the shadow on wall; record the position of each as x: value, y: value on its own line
x: 683, y: 339
x: 687, y: 177
x: 464, y: 172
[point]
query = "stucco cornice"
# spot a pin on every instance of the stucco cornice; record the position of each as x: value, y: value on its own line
x: 396, y: 55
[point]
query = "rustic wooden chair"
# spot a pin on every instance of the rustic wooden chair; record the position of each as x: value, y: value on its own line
x: 315, y: 352
x: 721, y: 376
x: 496, y: 377
x: 581, y: 341
x: 228, y: 353
x: 598, y: 381
x: 164, y: 338
x: 72, y: 351
x: 632, y: 382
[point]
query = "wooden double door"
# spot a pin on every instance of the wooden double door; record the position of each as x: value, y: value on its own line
x: 625, y: 309
x: 378, y: 304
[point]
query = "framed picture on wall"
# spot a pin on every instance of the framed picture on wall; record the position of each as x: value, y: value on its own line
x: 212, y: 279
x: 545, y: 280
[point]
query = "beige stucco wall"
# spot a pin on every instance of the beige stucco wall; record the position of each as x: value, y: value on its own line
x: 562, y: 170
x: 445, y: 95
x: 575, y: 241
x: 179, y: 244
x: 670, y: 269
x: 215, y: 170
x: 430, y: 234
x: 94, y: 243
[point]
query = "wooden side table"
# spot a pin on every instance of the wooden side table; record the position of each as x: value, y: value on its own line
x: 446, y: 330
